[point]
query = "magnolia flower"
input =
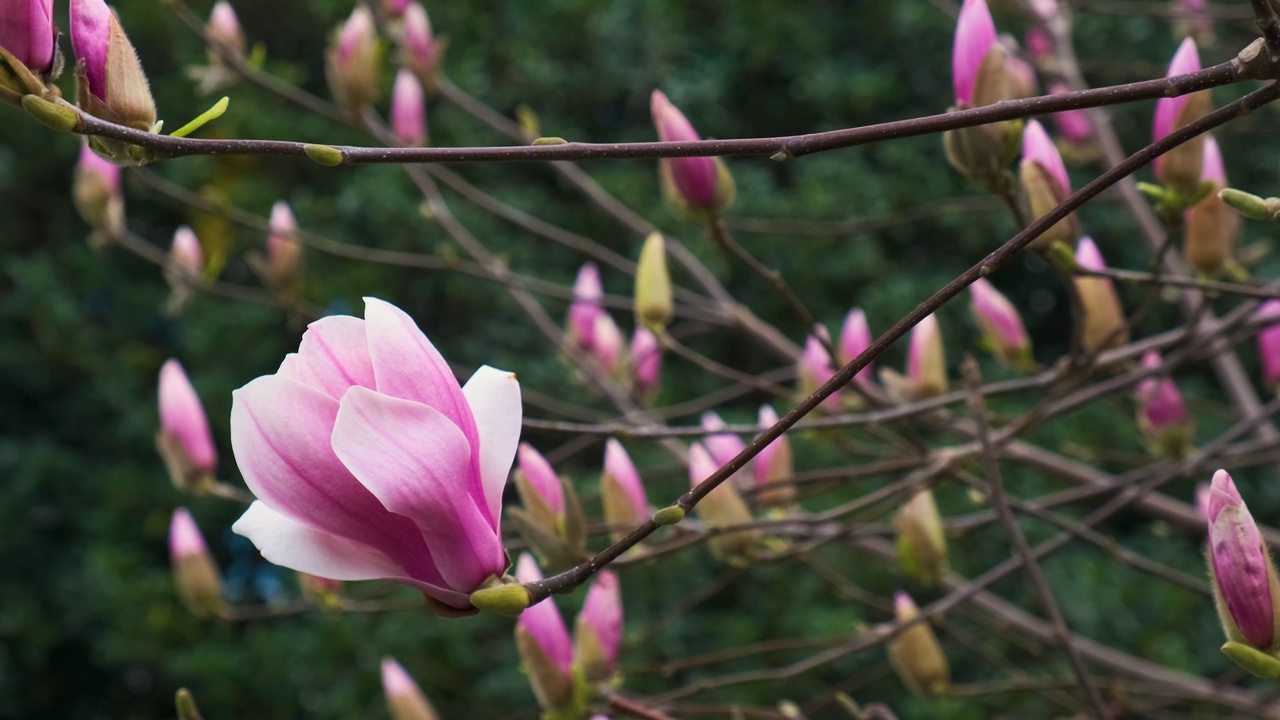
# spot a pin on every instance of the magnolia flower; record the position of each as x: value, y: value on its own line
x: 1212, y: 226
x: 1104, y: 323
x: 975, y: 36
x: 112, y: 85
x: 1244, y: 579
x: 27, y: 33
x: 692, y: 185
x: 1001, y: 325
x: 598, y: 629
x: 184, y: 440
x: 588, y: 304
x: 193, y: 569
x: 1269, y: 343
x: 405, y: 700
x: 352, y: 61
x: 1180, y: 168
x: 544, y: 645
x: 370, y: 462
x: 622, y: 491
x: 408, y: 116
x: 772, y: 465
x: 1045, y: 184
x: 646, y: 361
x: 855, y: 336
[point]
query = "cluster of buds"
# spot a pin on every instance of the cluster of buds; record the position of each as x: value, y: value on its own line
x: 227, y: 49
x: 980, y: 75
x: 1244, y: 580
x: 921, y: 544
x: 1002, y: 330
x: 1045, y: 185
x: 1104, y: 321
x: 564, y: 671
x: 1211, y: 227
x: 551, y: 521
x: 1162, y: 415
x: 593, y: 331
x: 405, y: 700
x: 98, y: 197
x: 926, y: 365
x: 194, y: 572
x: 916, y: 654
x: 697, y: 188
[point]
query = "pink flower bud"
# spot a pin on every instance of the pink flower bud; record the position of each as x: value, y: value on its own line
x: 185, y: 255
x: 112, y: 85
x: 284, y: 252
x: 1180, y: 167
x: 1044, y: 10
x: 1038, y: 44
x: 542, y: 478
x: 621, y: 490
x: 773, y: 465
x: 396, y: 8
x: 815, y: 368
x: 1202, y: 500
x: 975, y: 34
x: 369, y: 461
x: 588, y: 304
x: 1104, y: 322
x: 1212, y: 226
x: 544, y: 644
x: 352, y: 62
x: 224, y: 29
x: 1269, y: 343
x: 598, y: 629
x: 1242, y: 570
x: 96, y: 192
x: 646, y: 360
x: 421, y: 50
x: 408, y: 115
x: 855, y: 336
x: 699, y: 182
x: 1022, y: 77
x: 1037, y: 147
x: 27, y: 33
x: 722, y: 507
x: 194, y: 572
x: 1001, y: 325
x: 608, y: 343
x: 723, y: 446
x: 1159, y: 402
x: 405, y: 700
x: 1073, y: 125
x: 926, y: 361
x: 184, y: 428
x: 1045, y: 184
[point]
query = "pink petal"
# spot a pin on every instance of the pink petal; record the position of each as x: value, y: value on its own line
x: 618, y: 464
x: 182, y: 415
x: 695, y: 177
x: 396, y: 682
x: 1269, y: 342
x: 280, y: 432
x: 333, y: 356
x: 723, y: 446
x: 90, y: 35
x: 1222, y: 493
x: 1186, y: 60
x: 26, y: 31
x: 975, y: 34
x: 1213, y: 167
x: 184, y: 535
x: 494, y: 397
x: 602, y: 612
x: 292, y: 544
x: 543, y: 621
x: 1240, y: 568
x: 542, y: 477
x: 418, y: 465
x: 1088, y: 256
x: 408, y: 116
x: 1037, y: 147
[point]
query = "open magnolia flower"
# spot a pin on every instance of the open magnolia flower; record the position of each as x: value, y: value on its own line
x: 370, y: 462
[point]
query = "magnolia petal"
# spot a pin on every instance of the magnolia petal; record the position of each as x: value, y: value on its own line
x: 280, y: 432
x: 292, y: 544
x: 494, y: 397
x: 332, y: 357
x: 1240, y: 568
x: 418, y: 463
x: 90, y: 36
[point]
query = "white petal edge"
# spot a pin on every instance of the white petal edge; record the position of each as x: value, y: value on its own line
x: 494, y: 397
x: 289, y: 543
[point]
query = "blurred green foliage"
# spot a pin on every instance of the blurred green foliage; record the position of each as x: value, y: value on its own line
x: 89, y: 624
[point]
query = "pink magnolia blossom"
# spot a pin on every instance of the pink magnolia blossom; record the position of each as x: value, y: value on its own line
x: 975, y: 34
x: 1185, y: 60
x: 543, y: 621
x: 815, y: 367
x: 184, y: 536
x: 90, y: 37
x: 1073, y: 125
x: 599, y: 626
x: 619, y: 467
x: 183, y: 418
x: 588, y: 304
x: 370, y: 462
x: 999, y: 320
x: 27, y: 33
x: 1037, y: 147
x: 646, y: 360
x: 1159, y: 401
x: 855, y: 336
x: 1269, y: 343
x: 1240, y: 564
x: 694, y: 177
x: 408, y: 115
x: 542, y: 478
x: 607, y: 342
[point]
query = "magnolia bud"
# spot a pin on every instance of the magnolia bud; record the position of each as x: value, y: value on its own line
x: 1269, y: 343
x: 621, y: 491
x: 1045, y: 185
x: 352, y: 61
x: 182, y: 271
x: 1181, y: 167
x: 588, y: 304
x: 646, y: 361
x: 922, y: 546
x: 1073, y: 125
x: 551, y: 521
x: 608, y: 342
x: 1002, y: 328
x: 542, y: 640
x: 112, y: 85
x: 597, y: 633
x: 694, y: 187
x: 724, y: 446
x: 722, y: 507
x: 395, y: 8
x: 815, y: 368
x: 422, y: 52
x: 1104, y: 322
x: 184, y: 440
x: 28, y: 34
x: 196, y: 576
x: 284, y: 253
x: 980, y: 75
x: 405, y: 700
x: 97, y: 195
x: 1162, y: 415
x: 855, y: 337
x: 1212, y: 227
x: 653, y: 284
x: 408, y: 116
x: 915, y: 653
x: 224, y: 31
x: 773, y: 465
x: 926, y: 360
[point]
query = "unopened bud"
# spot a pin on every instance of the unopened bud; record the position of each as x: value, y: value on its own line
x: 1212, y: 228
x: 722, y: 507
x: 184, y: 440
x: 96, y: 192
x: 646, y: 361
x: 1045, y: 185
x: 695, y: 187
x: 915, y: 653
x: 1002, y: 328
x: 980, y: 75
x: 598, y: 629
x: 422, y: 52
x: 653, y: 284
x: 1104, y: 322
x: 588, y: 304
x: 284, y: 252
x: 855, y: 337
x: 1180, y: 168
x: 199, y: 584
x: 223, y: 30
x: 815, y: 368
x: 28, y: 34
x: 112, y: 85
x: 405, y: 700
x: 551, y: 520
x: 1269, y: 343
x: 542, y: 640
x: 621, y: 491
x: 408, y: 115
x: 773, y: 468
x: 922, y: 546
x: 609, y: 346
x: 926, y: 360
x: 352, y: 62
x: 1162, y: 414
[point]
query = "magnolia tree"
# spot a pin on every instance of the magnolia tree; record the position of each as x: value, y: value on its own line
x: 365, y: 460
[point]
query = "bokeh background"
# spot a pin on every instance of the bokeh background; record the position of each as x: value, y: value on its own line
x: 90, y: 625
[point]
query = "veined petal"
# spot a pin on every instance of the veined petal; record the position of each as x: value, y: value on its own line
x: 417, y: 463
x: 90, y: 36
x: 1240, y: 568
x: 494, y: 397
x: 292, y: 544
x: 332, y: 357
x: 280, y: 431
